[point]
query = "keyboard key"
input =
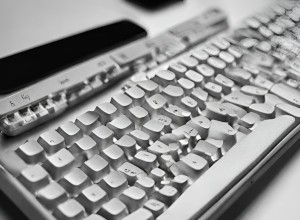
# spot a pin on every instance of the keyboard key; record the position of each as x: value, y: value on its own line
x: 221, y: 43
x: 114, y: 184
x: 287, y: 93
x: 236, y: 52
x: 263, y: 110
x: 201, y: 124
x: 239, y: 75
x: 70, y: 209
x: 136, y: 94
x: 153, y: 128
x: 284, y: 108
x: 96, y: 168
x: 103, y: 137
x: 133, y: 198
x: 120, y: 126
x: 226, y: 57
x: 157, y: 175
x: 51, y: 141
x: 122, y: 102
x: 92, y: 198
x: 34, y: 178
x: 187, y: 85
x: 70, y: 132
x: 217, y: 64
x: 189, y: 104
x: 167, y: 195
x: 239, y: 99
x: 75, y: 181
x: 141, y: 138
x: 107, y: 112
x: 128, y: 145
x: 88, y: 121
x: 189, y: 62
x: 263, y: 83
x: 145, y: 160
x: 114, y: 156
x: 217, y: 111
x: 178, y: 69
x: 207, y: 71
x: 186, y: 132
x: 258, y: 93
x: 249, y: 120
x: 240, y: 112
x: 155, y: 104
x: 131, y: 172
x: 59, y: 163
x: 166, y: 122
x: 200, y: 96
x: 180, y: 182
x: 31, y: 152
x: 158, y: 148
x: 164, y: 78
x: 141, y: 214
x: 173, y: 93
x: 147, y: 184
x: 213, y: 89
x: 155, y: 206
x: 138, y: 115
x: 208, y: 151
x: 94, y: 217
x: 114, y: 210
x: 191, y: 165
x: 52, y: 195
x: 211, y: 50
x: 84, y: 149
x: 195, y: 77
x: 149, y: 86
x: 200, y: 55
x: 177, y: 114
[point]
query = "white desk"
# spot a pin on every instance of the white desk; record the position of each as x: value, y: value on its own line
x: 27, y: 23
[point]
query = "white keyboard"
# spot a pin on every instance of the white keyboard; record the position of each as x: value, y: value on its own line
x: 194, y: 125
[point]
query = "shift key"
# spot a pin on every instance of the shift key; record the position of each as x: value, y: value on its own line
x: 131, y: 53
x: 287, y: 93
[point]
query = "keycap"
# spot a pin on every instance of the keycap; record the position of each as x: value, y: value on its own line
x: 217, y: 64
x: 133, y: 198
x: 94, y: 217
x: 59, y: 163
x: 213, y: 89
x: 190, y: 165
x: 263, y: 83
x: 178, y: 69
x: 166, y: 121
x: 142, y: 214
x: 225, y: 83
x: 180, y: 182
x: 149, y: 86
x: 164, y: 78
x: 246, y: 158
x: 177, y: 114
x: 287, y: 93
x: 136, y: 94
x: 34, y: 178
x: 189, y: 104
x: 276, y: 29
x: 200, y: 124
x: 265, y: 111
x: 200, y: 55
x: 217, y: 111
x: 240, y: 112
x: 222, y: 131
x: 31, y: 152
x: 75, y: 181
x: 249, y: 119
x: 114, y: 155
x: 141, y: 138
x: 157, y: 175
x: 153, y: 128
x: 189, y: 62
x: 239, y: 75
x: 248, y: 43
x: 88, y: 121
x: 131, y: 172
x: 92, y: 198
x: 208, y: 151
x: 96, y: 168
x: 107, y: 112
x: 284, y: 108
x: 52, y: 195
x: 221, y: 43
x: 187, y: 85
x: 167, y: 195
x: 114, y: 184
x: 138, y: 115
x: 114, y: 210
x: 226, y: 57
x: 120, y: 126
x: 207, y: 71
x: 264, y: 31
x: 158, y: 148
x: 155, y: 104
x: 211, y: 50
x: 70, y: 132
x: 103, y: 136
x: 264, y: 46
x: 258, y: 93
x: 147, y: 184
x: 51, y: 141
x: 200, y: 96
x: 186, y: 132
x: 122, y: 102
x: 239, y: 99
x: 252, y: 23
x: 195, y: 77
x: 145, y: 160
x: 70, y: 209
x: 236, y: 52
x: 173, y: 93
x: 155, y: 206
x: 84, y: 148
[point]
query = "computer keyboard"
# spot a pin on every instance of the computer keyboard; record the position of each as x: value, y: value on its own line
x: 196, y: 125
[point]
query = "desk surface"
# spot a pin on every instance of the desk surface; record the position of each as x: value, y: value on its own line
x: 27, y: 23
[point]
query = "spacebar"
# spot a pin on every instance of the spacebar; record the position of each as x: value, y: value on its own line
x: 228, y: 170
